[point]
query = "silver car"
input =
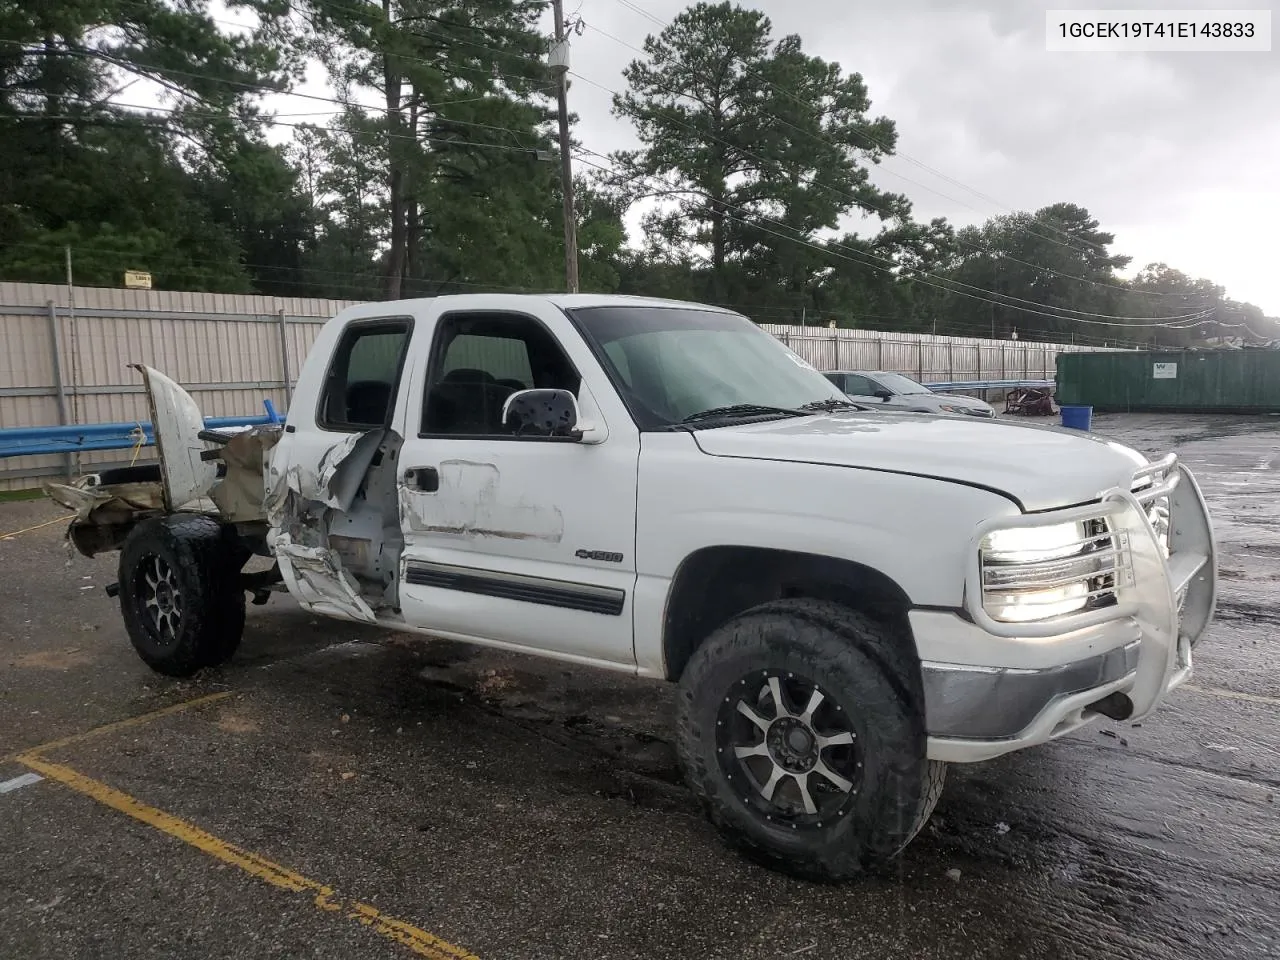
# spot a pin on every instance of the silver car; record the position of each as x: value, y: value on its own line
x: 902, y: 393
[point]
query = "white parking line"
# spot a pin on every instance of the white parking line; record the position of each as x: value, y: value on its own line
x: 17, y: 783
x: 1233, y: 694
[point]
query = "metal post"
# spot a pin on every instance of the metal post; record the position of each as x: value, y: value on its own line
x: 566, y: 163
x: 879, y: 353
x: 920, y: 360
x: 55, y: 351
x: 951, y: 361
x: 284, y: 358
x: 75, y: 352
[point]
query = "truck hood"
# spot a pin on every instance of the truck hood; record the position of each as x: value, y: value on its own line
x: 1041, y: 468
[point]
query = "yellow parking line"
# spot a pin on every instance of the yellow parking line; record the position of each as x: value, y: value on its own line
x: 38, y: 526
x: 118, y: 725
x: 419, y: 941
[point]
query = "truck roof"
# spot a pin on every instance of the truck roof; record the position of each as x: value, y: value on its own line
x: 498, y: 301
x: 570, y: 300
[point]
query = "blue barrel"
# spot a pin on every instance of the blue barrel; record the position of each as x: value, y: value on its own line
x: 1077, y: 418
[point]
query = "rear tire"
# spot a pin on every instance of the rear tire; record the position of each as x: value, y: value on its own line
x: 800, y: 728
x: 180, y: 593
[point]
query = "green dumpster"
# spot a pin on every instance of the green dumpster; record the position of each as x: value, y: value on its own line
x: 1186, y: 381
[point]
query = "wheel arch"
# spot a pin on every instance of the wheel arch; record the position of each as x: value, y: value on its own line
x: 714, y: 584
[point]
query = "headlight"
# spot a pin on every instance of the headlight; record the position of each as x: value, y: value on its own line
x: 1023, y: 544
x: 1037, y: 573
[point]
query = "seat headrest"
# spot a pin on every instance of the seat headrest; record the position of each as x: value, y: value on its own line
x: 467, y: 375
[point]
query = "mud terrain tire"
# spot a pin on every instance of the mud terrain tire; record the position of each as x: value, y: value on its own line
x: 870, y: 796
x: 180, y: 593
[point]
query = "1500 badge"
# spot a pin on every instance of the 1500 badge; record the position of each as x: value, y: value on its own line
x: 604, y: 555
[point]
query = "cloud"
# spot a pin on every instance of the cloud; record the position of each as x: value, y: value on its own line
x: 1175, y: 153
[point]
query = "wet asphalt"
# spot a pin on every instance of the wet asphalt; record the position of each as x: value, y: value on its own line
x: 521, y: 810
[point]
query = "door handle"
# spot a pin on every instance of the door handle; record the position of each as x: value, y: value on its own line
x: 426, y: 479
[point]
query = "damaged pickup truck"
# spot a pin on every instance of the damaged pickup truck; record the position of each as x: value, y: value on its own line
x: 847, y: 598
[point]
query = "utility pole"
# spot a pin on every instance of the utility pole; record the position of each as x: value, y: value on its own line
x: 560, y: 64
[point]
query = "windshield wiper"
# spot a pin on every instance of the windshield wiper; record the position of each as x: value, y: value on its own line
x: 740, y: 410
x: 831, y: 403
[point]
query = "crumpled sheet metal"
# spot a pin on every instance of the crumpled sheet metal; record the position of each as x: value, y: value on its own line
x: 109, y: 504
x: 297, y: 498
x: 319, y: 580
x: 240, y: 495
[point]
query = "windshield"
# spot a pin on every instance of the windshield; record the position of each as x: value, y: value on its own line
x: 900, y: 384
x: 672, y: 363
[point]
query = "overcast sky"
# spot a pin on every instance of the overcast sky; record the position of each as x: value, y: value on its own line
x: 1178, y: 154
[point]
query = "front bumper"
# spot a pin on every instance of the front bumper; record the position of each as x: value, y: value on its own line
x: 991, y: 688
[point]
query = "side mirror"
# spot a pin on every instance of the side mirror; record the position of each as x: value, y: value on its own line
x: 883, y: 395
x: 543, y: 413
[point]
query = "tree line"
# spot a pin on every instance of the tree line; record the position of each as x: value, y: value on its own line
x: 433, y: 168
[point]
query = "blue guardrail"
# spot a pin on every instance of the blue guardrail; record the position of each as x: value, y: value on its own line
x: 949, y: 387
x: 30, y: 441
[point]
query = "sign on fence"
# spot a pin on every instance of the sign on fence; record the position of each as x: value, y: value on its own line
x: 1164, y: 371
x: 137, y: 279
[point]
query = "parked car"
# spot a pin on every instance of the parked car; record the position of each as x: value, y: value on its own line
x: 847, y: 599
x: 903, y: 393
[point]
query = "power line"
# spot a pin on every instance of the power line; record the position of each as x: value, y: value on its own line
x: 185, y: 260
x: 263, y: 88
x: 171, y: 111
x: 804, y: 241
x: 873, y: 209
x: 889, y: 151
x: 56, y: 251
x: 372, y: 286
x: 1152, y: 321
x: 1065, y: 313
x: 257, y: 87
x: 801, y: 241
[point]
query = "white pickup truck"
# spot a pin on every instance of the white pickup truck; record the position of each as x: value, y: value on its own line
x: 848, y: 598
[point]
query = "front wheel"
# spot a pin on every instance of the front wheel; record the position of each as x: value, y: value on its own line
x: 800, y: 729
x: 180, y: 593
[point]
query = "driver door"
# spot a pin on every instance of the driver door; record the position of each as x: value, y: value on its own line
x: 514, y: 540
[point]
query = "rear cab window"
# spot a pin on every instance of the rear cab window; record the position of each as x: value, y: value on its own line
x: 364, y: 375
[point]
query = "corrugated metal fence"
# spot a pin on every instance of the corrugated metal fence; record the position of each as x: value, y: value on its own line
x: 64, y: 362
x: 69, y: 363
x: 922, y: 356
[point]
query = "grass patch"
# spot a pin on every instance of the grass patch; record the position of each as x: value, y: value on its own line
x: 14, y: 496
